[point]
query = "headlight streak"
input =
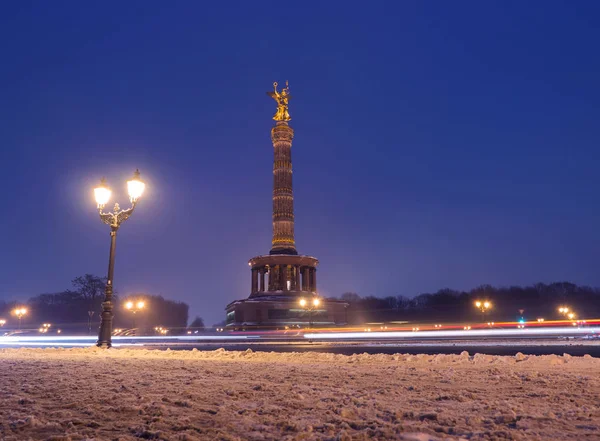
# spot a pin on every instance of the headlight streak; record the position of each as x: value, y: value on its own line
x: 452, y: 333
x: 471, y: 334
x: 75, y: 340
x: 54, y: 344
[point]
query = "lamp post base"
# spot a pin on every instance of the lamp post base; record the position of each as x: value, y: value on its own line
x: 105, y: 334
x: 106, y: 319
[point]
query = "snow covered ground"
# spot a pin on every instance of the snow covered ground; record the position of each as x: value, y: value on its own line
x: 132, y: 394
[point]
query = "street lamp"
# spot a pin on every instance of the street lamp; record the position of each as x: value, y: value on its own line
x: 20, y: 312
x: 310, y: 307
x: 564, y: 310
x: 164, y: 331
x: 483, y: 306
x: 135, y: 307
x: 90, y: 315
x: 135, y: 188
x: 2, y: 322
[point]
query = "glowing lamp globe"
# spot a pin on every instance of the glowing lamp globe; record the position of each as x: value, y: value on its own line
x: 140, y: 305
x: 302, y: 302
x: 129, y: 305
x: 102, y: 193
x: 135, y: 187
x: 316, y: 302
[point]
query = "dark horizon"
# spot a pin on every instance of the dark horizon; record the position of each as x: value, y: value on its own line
x: 435, y: 145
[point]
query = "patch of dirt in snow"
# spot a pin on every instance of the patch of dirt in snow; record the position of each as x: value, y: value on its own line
x: 125, y: 394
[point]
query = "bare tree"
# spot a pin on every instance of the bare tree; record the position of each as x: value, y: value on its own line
x: 89, y: 287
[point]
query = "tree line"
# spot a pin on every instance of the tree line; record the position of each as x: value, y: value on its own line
x: 78, y: 309
x: 507, y: 304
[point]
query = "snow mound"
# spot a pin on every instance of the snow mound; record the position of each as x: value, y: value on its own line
x: 131, y: 394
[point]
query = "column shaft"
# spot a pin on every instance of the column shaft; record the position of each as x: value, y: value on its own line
x: 284, y: 277
x: 305, y: 277
x: 254, y: 288
x: 297, y: 278
x: 271, y: 270
x: 262, y: 280
x: 283, y: 197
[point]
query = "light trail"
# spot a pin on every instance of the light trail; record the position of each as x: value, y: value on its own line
x: 69, y: 344
x: 417, y: 326
x: 386, y: 335
x: 78, y: 340
x: 26, y: 338
x: 94, y: 339
x: 331, y: 334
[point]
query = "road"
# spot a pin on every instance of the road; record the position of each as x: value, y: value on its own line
x: 350, y: 348
x: 527, y: 344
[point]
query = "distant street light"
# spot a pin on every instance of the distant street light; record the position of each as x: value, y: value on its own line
x: 164, y: 331
x: 310, y: 307
x: 566, y: 311
x: 2, y: 322
x: 483, y: 306
x: 20, y: 312
x: 135, y: 188
x: 90, y: 315
x: 134, y: 308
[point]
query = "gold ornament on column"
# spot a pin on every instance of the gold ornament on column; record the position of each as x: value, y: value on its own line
x: 282, y: 99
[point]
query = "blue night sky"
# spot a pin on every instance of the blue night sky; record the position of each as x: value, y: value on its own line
x: 438, y: 144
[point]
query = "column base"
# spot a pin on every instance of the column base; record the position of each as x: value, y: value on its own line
x: 289, y: 251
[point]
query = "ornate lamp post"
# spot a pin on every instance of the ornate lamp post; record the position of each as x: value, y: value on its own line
x: 564, y: 310
x: 483, y: 306
x: 20, y: 312
x: 90, y: 315
x: 135, y: 307
x: 135, y: 188
x: 310, y: 307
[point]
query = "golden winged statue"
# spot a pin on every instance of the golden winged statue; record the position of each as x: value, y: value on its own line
x: 282, y: 99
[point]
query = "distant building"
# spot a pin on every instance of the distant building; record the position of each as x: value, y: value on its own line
x: 281, y: 279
